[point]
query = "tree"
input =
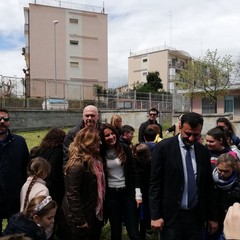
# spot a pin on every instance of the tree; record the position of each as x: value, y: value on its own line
x: 99, y: 91
x: 209, y: 77
x: 153, y: 84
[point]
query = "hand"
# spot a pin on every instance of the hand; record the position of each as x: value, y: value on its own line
x: 232, y: 221
x: 138, y: 201
x: 212, y: 226
x: 157, y: 224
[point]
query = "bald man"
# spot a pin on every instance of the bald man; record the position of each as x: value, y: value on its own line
x: 90, y: 119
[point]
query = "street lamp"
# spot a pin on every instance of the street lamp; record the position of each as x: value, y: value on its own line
x: 55, y: 22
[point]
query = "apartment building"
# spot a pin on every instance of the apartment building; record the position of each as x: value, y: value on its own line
x: 165, y: 60
x: 66, y: 51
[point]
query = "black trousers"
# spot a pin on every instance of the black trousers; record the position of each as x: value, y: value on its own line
x: 186, y: 226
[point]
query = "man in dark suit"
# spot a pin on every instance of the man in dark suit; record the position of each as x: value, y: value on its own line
x: 170, y: 205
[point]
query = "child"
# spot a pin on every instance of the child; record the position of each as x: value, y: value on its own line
x: 38, y: 170
x: 143, y: 163
x: 34, y: 220
x: 227, y: 182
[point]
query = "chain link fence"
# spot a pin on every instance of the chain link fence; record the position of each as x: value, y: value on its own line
x: 77, y: 96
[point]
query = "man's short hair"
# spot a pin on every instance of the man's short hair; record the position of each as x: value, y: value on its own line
x: 4, y: 110
x: 127, y: 129
x: 153, y: 110
x: 192, y: 118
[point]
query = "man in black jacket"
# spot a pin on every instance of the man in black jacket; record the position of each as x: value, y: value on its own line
x: 153, y: 114
x: 14, y: 159
x: 170, y: 205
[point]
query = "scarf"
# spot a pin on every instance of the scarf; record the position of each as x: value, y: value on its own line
x: 224, y: 184
x: 98, y: 169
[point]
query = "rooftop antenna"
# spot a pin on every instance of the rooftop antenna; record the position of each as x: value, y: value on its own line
x: 103, y: 10
x: 170, y: 27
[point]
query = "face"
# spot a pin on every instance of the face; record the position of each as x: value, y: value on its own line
x: 213, y: 144
x: 190, y: 135
x: 129, y: 136
x: 4, y: 123
x: 118, y: 123
x: 152, y: 115
x: 110, y: 137
x: 90, y: 116
x: 222, y: 124
x: 46, y: 220
x: 224, y: 170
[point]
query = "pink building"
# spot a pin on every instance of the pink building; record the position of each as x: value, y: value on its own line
x: 66, y: 51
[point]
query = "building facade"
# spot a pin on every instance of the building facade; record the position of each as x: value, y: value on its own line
x: 167, y: 61
x: 66, y: 51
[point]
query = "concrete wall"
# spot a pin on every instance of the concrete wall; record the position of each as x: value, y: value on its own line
x: 32, y: 120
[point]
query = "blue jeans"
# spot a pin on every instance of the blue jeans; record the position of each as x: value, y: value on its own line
x: 121, y: 207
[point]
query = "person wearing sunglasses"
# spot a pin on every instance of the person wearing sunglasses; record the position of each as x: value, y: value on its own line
x: 153, y: 113
x: 14, y: 159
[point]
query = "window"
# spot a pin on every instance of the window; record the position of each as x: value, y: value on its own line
x: 74, y: 64
x: 208, y: 106
x: 73, y: 20
x: 228, y: 104
x: 73, y: 42
x: 144, y: 60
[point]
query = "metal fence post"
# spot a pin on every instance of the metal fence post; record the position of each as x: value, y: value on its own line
x: 135, y: 100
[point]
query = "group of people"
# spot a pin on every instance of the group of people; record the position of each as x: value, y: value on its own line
x: 72, y: 184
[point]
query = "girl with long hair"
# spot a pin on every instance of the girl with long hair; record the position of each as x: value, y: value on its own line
x: 38, y: 170
x: 123, y: 188
x: 51, y: 148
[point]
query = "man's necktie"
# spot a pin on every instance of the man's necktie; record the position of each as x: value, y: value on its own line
x: 191, y: 181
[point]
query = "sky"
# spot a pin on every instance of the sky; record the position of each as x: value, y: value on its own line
x: 135, y: 25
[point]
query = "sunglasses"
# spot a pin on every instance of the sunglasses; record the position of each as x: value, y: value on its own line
x: 195, y: 135
x: 223, y: 171
x: 153, y: 114
x: 5, y: 119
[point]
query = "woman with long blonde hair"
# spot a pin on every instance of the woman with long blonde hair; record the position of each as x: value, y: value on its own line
x: 82, y: 207
x: 116, y: 122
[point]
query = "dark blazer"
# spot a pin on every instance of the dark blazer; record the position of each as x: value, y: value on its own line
x: 167, y: 181
x: 14, y: 159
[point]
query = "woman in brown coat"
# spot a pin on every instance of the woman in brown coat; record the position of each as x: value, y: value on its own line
x: 82, y: 207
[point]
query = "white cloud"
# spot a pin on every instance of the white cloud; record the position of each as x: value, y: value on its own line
x: 135, y: 25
